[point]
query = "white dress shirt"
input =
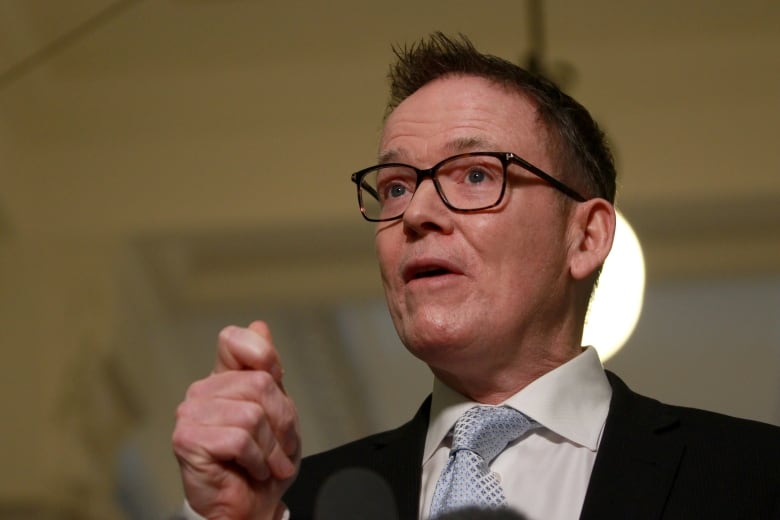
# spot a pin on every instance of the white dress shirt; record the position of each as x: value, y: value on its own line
x: 545, y: 474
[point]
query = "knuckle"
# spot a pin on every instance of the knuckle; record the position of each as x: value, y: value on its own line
x: 184, y: 410
x: 253, y: 415
x: 241, y: 441
x: 181, y: 439
x: 194, y: 390
x: 263, y: 381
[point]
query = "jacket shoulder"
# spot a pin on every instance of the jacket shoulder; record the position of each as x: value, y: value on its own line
x: 691, y: 423
x: 658, y: 460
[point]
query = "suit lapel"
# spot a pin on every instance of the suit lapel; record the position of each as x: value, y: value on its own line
x: 637, y: 459
x: 401, y: 458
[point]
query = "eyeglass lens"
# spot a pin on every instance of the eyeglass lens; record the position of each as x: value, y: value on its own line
x: 465, y: 183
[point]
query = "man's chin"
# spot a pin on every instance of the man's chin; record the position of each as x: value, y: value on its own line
x: 439, y: 352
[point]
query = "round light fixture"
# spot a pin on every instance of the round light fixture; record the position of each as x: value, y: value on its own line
x: 617, y: 302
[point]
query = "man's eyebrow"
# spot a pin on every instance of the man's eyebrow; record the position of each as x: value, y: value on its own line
x: 389, y: 156
x: 456, y: 146
x: 470, y: 144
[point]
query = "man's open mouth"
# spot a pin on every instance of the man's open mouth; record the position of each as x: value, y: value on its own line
x: 417, y: 270
x: 436, y: 271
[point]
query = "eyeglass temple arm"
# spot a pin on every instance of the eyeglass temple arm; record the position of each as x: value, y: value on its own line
x: 367, y: 187
x: 549, y: 178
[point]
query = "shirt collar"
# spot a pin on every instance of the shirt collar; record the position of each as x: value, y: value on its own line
x: 571, y: 400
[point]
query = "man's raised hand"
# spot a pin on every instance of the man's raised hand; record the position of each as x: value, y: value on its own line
x: 236, y: 437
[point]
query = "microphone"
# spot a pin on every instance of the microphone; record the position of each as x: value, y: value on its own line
x: 476, y: 513
x: 361, y: 494
x: 355, y: 494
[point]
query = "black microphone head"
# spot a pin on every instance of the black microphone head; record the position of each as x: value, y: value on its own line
x: 476, y: 513
x: 355, y: 494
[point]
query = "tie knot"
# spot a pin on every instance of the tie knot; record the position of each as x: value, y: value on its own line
x: 486, y: 430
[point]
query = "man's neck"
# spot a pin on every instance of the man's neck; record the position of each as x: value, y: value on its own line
x: 496, y: 384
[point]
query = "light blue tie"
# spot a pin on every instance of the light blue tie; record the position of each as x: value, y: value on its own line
x: 478, y: 437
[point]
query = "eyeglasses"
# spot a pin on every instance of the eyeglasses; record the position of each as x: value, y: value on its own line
x: 466, y: 182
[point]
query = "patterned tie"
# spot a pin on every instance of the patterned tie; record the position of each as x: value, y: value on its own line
x: 479, y: 436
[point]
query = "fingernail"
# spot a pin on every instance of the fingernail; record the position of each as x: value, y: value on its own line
x: 277, y: 372
x: 286, y: 469
x: 290, y: 443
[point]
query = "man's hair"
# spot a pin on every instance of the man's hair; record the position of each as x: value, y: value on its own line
x: 574, y: 139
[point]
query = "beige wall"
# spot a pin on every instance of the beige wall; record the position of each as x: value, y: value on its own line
x: 167, y: 167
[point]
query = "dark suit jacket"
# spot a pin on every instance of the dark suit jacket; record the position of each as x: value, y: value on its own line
x: 655, y: 461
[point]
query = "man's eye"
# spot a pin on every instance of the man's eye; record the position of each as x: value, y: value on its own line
x: 393, y: 189
x: 475, y: 176
x: 396, y: 190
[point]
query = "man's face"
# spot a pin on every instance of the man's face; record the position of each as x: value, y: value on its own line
x: 473, y: 289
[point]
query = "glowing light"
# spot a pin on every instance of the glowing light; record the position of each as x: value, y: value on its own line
x: 617, y: 303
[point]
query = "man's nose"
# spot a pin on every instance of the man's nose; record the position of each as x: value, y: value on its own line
x: 427, y: 210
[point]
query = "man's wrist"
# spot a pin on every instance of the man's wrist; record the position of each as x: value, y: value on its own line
x: 187, y: 513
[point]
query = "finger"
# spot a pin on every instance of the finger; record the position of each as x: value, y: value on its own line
x: 245, y: 437
x: 240, y: 348
x: 244, y: 398
x: 203, y: 446
x: 262, y: 329
x: 247, y: 415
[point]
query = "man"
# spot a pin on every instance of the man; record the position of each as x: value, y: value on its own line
x: 493, y: 208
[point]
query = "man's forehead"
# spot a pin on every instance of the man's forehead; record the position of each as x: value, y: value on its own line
x: 457, y: 114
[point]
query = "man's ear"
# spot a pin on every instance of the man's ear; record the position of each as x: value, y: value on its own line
x: 591, y: 233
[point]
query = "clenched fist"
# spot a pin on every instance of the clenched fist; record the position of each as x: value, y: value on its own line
x: 236, y: 436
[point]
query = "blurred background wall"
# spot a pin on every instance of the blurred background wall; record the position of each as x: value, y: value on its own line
x: 169, y: 167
